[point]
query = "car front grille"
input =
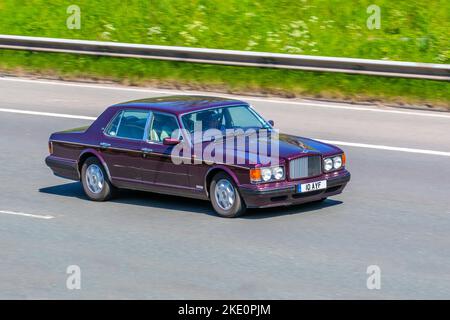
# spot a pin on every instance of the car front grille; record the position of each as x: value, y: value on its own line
x: 305, y: 167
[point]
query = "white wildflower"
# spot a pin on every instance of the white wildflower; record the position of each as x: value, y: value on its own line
x: 105, y: 35
x: 292, y: 49
x: 188, y: 38
x: 109, y: 26
x: 154, y: 30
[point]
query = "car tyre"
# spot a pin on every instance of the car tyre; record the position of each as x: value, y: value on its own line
x: 95, y: 181
x: 225, y: 197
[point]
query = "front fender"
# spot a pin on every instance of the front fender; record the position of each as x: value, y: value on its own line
x: 219, y: 167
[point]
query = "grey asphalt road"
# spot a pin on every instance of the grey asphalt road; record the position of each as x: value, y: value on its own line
x: 395, y: 214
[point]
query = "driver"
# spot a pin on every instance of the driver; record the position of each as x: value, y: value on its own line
x: 209, y: 119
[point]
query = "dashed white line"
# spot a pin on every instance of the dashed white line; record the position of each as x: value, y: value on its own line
x: 381, y: 147
x: 342, y: 143
x: 29, y: 215
x: 432, y: 114
x: 46, y: 114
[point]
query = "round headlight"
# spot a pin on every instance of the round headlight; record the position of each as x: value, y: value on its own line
x: 278, y: 173
x: 266, y: 174
x: 328, y: 164
x: 337, y: 162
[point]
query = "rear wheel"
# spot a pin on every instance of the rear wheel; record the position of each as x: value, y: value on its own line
x: 95, y: 181
x: 225, y: 197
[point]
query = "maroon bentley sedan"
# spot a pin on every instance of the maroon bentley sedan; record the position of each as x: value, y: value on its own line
x: 208, y: 148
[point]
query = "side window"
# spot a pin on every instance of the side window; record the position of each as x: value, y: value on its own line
x: 162, y: 126
x: 129, y: 124
x: 241, y: 117
x: 209, y: 119
x: 112, y: 128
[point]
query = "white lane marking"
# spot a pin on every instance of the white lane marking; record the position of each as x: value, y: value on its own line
x: 381, y: 147
x: 29, y: 215
x: 342, y: 143
x: 433, y: 114
x: 46, y: 114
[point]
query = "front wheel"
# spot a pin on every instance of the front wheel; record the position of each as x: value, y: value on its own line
x: 225, y: 197
x: 95, y: 181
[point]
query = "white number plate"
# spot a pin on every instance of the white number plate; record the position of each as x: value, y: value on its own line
x: 312, y: 186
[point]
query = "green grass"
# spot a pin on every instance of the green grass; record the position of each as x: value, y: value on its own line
x: 410, y: 31
x: 230, y: 79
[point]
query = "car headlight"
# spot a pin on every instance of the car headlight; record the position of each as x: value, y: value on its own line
x: 267, y: 174
x: 334, y: 163
x: 278, y: 173
x: 337, y: 162
x: 327, y: 164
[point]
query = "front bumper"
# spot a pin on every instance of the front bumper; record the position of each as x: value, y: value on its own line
x: 285, y: 194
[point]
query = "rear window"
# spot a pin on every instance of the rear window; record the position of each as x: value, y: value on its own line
x: 129, y: 124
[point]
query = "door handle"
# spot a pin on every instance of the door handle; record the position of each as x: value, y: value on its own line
x: 146, y: 150
x: 105, y: 145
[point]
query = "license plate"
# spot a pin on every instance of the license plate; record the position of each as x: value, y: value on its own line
x: 312, y: 186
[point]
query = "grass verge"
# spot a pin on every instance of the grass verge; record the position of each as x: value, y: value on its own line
x: 243, y: 80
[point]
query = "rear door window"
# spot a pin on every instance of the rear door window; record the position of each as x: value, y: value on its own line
x: 129, y: 124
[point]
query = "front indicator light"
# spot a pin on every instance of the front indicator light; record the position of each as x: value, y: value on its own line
x: 255, y: 175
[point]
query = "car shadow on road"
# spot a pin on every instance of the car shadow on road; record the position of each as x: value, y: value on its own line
x: 312, y: 207
x: 148, y: 199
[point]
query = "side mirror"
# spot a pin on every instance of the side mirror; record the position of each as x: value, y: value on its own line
x: 170, y: 141
x: 271, y: 122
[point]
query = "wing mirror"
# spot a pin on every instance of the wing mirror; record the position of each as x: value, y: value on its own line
x: 271, y: 122
x: 170, y: 141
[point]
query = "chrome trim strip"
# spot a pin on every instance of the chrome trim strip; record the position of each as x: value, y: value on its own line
x: 95, y: 146
x: 139, y: 151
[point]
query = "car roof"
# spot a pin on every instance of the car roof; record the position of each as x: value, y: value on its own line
x: 179, y: 104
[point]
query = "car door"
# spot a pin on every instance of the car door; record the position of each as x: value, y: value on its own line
x: 121, y: 146
x: 158, y: 167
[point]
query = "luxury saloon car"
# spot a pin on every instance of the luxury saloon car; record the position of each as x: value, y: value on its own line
x: 162, y: 145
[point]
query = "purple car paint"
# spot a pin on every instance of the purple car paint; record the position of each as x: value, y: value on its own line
x: 145, y: 163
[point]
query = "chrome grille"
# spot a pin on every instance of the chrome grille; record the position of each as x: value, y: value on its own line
x: 305, y: 167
